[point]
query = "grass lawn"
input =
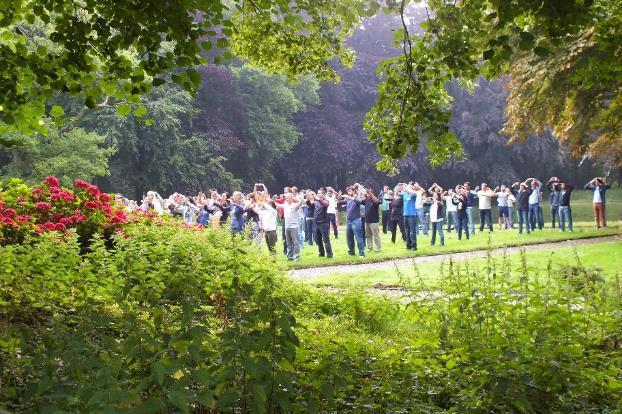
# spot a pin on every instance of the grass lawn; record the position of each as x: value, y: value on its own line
x: 607, y: 257
x: 452, y: 244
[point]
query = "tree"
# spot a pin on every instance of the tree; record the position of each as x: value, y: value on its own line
x: 123, y: 48
x: 76, y: 154
x: 562, y: 58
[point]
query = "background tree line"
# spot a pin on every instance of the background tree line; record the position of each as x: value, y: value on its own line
x: 245, y: 126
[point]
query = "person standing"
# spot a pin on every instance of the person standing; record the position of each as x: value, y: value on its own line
x: 353, y: 222
x: 385, y: 199
x: 420, y: 209
x: 460, y: 201
x: 372, y: 231
x: 451, y: 210
x: 331, y: 197
x: 511, y: 206
x: 599, y: 187
x: 470, y: 203
x: 268, y: 223
x: 409, y: 196
x: 502, y: 205
x: 534, y: 202
x: 397, y: 219
x: 554, y: 189
x: 237, y: 212
x: 565, y: 213
x: 485, y: 196
x: 290, y: 214
x: 310, y: 218
x: 436, y: 218
x: 322, y: 231
x: 523, y: 193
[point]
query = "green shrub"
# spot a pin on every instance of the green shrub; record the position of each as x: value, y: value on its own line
x: 166, y: 321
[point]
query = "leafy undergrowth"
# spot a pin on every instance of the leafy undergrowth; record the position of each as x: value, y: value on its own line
x: 165, y: 320
x: 481, y: 343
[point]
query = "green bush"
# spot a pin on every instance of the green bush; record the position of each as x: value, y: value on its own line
x: 166, y: 321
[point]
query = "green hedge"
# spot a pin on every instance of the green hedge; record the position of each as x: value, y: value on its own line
x: 167, y: 321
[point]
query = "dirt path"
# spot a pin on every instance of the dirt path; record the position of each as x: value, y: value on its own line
x: 313, y: 272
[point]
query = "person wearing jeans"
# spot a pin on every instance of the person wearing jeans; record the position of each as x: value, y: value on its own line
x: 290, y: 213
x: 397, y: 219
x: 309, y: 218
x: 522, y: 203
x: 565, y: 213
x: 599, y: 188
x: 485, y: 196
x: 451, y: 210
x: 534, y: 203
x: 409, y: 196
x: 554, y: 188
x: 470, y: 202
x: 385, y: 200
x: 353, y: 222
x: 419, y: 209
x: 436, y: 218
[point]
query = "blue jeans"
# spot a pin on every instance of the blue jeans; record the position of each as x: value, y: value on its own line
x: 555, y: 214
x: 354, y: 230
x: 511, y: 216
x: 469, y: 211
x: 523, y: 218
x: 565, y: 215
x: 332, y: 221
x: 540, y: 217
x: 485, y: 216
x: 302, y: 223
x: 421, y: 221
x: 452, y: 218
x: 437, y: 226
x: 533, y: 216
x: 463, y: 224
x: 410, y: 228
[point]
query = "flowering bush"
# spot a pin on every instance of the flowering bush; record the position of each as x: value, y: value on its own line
x: 49, y: 207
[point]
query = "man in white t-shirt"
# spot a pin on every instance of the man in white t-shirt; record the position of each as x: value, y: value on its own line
x: 290, y: 218
x: 331, y: 211
x: 485, y: 196
x: 502, y: 203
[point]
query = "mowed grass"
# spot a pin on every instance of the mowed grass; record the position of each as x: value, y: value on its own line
x: 605, y: 257
x: 583, y: 228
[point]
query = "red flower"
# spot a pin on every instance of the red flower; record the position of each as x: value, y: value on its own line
x: 42, y: 205
x: 36, y: 192
x: 81, y: 184
x: 20, y: 200
x: 92, y: 204
x: 94, y: 191
x: 104, y: 197
x: 24, y: 218
x: 59, y: 227
x: 9, y: 212
x: 51, y: 181
x: 66, y: 220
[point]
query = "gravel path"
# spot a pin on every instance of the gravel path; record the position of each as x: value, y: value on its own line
x: 313, y: 272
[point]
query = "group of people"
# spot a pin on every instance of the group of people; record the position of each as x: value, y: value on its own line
x: 308, y: 217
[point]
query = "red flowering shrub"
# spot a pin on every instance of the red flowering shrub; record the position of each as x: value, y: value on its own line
x: 50, y: 207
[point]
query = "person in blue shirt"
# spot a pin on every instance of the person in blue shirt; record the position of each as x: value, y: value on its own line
x: 409, y: 196
x: 353, y: 221
x: 237, y: 212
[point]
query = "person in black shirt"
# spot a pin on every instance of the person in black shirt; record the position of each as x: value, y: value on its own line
x: 372, y: 217
x: 322, y: 233
x: 461, y: 202
x: 565, y: 213
x: 310, y: 218
x: 522, y: 193
x: 397, y: 218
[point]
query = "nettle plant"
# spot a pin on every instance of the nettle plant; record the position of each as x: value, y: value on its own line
x: 26, y: 211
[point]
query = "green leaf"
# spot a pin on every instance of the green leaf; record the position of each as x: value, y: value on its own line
x: 124, y: 109
x: 140, y: 111
x: 157, y: 371
x: 57, y: 111
x: 488, y: 54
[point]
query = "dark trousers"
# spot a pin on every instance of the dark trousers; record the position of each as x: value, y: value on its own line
x: 463, y: 224
x: 395, y: 223
x: 309, y: 230
x: 386, y: 222
x: 332, y: 222
x: 283, y: 237
x: 532, y: 215
x: 555, y: 214
x: 485, y: 215
x: 322, y: 238
x: 410, y: 228
x: 270, y: 237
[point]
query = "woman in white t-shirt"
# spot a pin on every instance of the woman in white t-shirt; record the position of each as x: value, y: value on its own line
x: 436, y: 218
x: 268, y: 223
